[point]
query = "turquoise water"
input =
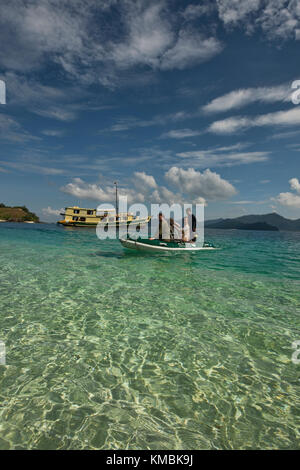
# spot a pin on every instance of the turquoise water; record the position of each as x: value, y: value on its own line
x: 113, y: 350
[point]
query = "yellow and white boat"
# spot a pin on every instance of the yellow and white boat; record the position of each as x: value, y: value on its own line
x: 82, y: 217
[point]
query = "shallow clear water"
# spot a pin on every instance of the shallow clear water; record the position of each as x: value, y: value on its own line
x: 123, y: 350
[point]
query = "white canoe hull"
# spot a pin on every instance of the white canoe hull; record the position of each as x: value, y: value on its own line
x: 136, y: 245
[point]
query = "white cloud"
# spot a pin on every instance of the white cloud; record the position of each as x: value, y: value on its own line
x: 222, y: 156
x: 180, y: 134
x: 290, y: 199
x: 149, y: 35
x: 245, y: 202
x: 131, y: 122
x: 295, y: 185
x: 58, y: 113
x: 239, y: 98
x: 280, y: 18
x: 53, y: 133
x: 82, y: 190
x: 142, y: 180
x: 191, y: 186
x: 12, y: 131
x: 208, y: 185
x: 31, y: 168
x: 234, y: 11
x: 276, y: 18
x: 92, y: 44
x: 194, y: 11
x: 190, y: 48
x: 49, y: 211
x: 239, y: 123
x: 62, y: 104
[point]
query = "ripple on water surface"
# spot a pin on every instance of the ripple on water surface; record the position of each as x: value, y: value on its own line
x: 125, y: 351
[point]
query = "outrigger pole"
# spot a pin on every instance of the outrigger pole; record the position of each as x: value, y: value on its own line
x: 117, y: 210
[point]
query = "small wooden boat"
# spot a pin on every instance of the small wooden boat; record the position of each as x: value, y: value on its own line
x: 146, y: 244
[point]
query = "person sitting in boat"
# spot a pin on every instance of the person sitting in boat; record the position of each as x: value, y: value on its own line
x: 186, y: 230
x: 163, y: 231
x: 192, y: 221
x: 174, y: 229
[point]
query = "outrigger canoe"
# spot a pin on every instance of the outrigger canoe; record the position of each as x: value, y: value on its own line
x: 145, y: 244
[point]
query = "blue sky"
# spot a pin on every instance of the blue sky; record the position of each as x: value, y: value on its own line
x: 177, y: 101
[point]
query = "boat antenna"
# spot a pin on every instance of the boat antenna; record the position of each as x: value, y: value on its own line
x: 117, y: 207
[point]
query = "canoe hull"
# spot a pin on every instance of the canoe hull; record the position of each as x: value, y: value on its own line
x: 161, y: 247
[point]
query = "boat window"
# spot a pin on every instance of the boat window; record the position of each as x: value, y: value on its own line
x: 75, y: 218
x: 90, y: 212
x: 76, y: 211
x: 82, y: 219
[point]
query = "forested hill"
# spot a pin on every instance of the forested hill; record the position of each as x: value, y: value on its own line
x: 17, y: 214
x: 271, y: 221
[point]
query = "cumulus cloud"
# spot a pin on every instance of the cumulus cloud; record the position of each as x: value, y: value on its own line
x: 142, y: 180
x: 186, y: 186
x: 82, y: 190
x: 239, y: 98
x: 239, y: 123
x: 294, y: 182
x: 207, y: 185
x: 290, y: 199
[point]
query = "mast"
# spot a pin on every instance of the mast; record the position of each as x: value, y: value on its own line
x: 117, y: 206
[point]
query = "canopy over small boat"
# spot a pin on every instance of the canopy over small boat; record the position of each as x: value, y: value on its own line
x: 146, y: 244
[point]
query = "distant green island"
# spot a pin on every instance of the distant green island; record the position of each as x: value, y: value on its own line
x: 17, y: 214
x: 269, y: 222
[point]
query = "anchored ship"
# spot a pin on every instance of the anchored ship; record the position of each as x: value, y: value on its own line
x: 85, y: 217
x: 81, y: 217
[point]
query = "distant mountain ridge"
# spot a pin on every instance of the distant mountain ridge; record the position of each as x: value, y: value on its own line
x: 271, y: 221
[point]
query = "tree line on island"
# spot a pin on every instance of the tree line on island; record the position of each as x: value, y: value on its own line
x: 17, y: 214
